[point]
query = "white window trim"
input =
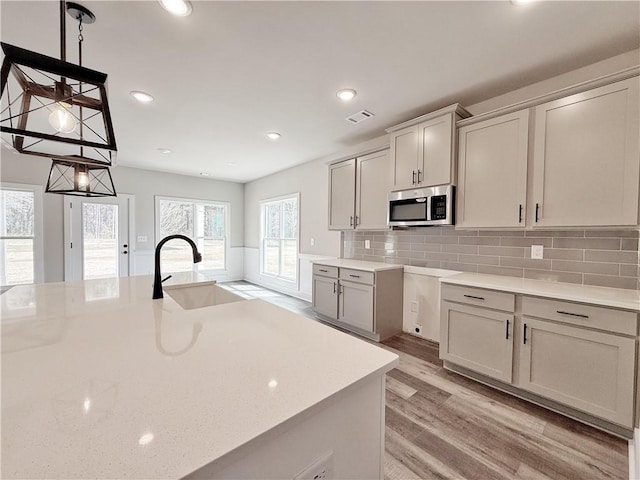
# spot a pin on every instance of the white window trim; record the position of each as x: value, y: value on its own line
x: 38, y: 226
x: 227, y: 222
x: 261, y: 205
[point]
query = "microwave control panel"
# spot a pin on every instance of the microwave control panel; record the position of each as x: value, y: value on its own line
x: 439, y: 207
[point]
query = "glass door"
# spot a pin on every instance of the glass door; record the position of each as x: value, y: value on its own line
x: 98, y: 237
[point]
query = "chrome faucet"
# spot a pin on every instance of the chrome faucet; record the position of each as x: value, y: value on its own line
x: 157, y: 281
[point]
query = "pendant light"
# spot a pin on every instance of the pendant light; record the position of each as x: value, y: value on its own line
x: 53, y: 108
x: 80, y: 179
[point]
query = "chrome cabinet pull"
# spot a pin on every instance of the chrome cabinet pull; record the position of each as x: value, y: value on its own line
x: 474, y: 297
x: 419, y: 172
x: 351, y: 220
x: 562, y: 312
x: 357, y: 220
x: 507, y: 332
x: 524, y: 338
x: 334, y: 287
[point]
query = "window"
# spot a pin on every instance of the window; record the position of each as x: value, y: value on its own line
x: 21, y: 258
x: 279, y: 237
x: 204, y: 222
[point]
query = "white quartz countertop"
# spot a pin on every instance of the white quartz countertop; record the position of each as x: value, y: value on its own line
x: 357, y: 264
x: 608, y: 297
x: 100, y: 381
x: 429, y: 272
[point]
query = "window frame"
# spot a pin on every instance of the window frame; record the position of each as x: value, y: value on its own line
x: 195, y: 202
x: 38, y: 226
x: 270, y: 201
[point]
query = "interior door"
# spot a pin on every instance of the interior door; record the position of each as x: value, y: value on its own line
x: 97, y: 242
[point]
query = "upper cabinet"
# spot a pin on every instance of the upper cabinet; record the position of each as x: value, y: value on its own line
x: 586, y: 158
x: 358, y: 192
x: 581, y: 152
x: 492, y: 172
x: 423, y: 149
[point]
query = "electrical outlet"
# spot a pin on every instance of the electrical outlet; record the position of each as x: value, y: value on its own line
x: 417, y: 328
x: 142, y: 238
x: 414, y: 307
x: 367, y: 244
x: 321, y: 469
x: 537, y: 251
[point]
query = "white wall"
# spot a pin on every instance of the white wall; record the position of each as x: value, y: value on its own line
x: 311, y: 181
x: 144, y: 185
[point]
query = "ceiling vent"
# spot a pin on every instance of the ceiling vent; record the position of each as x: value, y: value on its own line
x: 360, y: 116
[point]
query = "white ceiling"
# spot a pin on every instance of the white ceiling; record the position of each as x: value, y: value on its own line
x: 233, y: 71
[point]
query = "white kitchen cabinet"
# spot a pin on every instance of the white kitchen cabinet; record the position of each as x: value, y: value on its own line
x: 584, y: 369
x: 364, y: 300
x: 586, y: 158
x: 492, y: 172
x: 342, y: 191
x: 358, y: 192
x: 477, y: 338
x: 423, y: 149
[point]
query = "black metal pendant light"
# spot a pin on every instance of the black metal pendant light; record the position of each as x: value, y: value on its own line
x: 56, y: 109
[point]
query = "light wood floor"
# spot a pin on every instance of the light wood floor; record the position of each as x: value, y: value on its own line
x: 444, y: 426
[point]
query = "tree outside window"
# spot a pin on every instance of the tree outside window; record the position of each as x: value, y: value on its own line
x: 279, y: 252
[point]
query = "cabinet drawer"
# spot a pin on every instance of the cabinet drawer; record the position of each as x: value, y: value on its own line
x: 601, y: 318
x: 480, y: 297
x: 325, y: 270
x: 356, y: 276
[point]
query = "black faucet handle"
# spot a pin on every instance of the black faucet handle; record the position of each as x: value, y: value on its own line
x: 166, y: 278
x: 197, y: 258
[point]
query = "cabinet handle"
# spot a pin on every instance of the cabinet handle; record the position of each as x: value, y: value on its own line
x: 334, y: 287
x: 507, y: 332
x: 419, y: 172
x: 474, y: 297
x: 357, y: 220
x: 413, y: 181
x: 321, y: 270
x: 354, y: 276
x: 537, y: 212
x: 520, y: 214
x: 351, y: 220
x: 524, y: 337
x: 572, y: 314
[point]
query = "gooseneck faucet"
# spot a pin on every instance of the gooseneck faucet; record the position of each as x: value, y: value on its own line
x: 157, y: 281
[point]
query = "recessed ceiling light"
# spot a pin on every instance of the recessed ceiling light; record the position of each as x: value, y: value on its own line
x: 204, y: 174
x: 166, y: 151
x: 273, y: 135
x: 346, y: 94
x: 232, y: 164
x: 521, y: 2
x: 180, y: 8
x: 142, y: 97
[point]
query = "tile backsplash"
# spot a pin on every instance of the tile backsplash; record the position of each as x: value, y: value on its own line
x: 606, y: 258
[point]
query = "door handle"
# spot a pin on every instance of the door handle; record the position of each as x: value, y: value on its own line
x: 419, y: 172
x: 524, y: 337
x: 520, y: 214
x: 334, y: 287
x: 507, y: 332
x: 537, y: 212
x: 351, y: 220
x: 413, y: 180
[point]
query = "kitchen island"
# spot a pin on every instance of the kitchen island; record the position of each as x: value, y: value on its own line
x: 100, y: 381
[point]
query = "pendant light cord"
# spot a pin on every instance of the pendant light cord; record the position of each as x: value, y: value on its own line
x: 80, y: 40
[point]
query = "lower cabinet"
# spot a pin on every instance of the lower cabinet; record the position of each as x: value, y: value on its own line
x: 365, y: 302
x: 566, y: 354
x: 479, y: 339
x: 588, y: 370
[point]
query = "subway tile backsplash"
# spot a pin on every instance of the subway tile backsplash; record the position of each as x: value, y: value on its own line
x: 607, y: 258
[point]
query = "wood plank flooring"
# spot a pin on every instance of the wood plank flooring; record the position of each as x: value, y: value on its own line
x: 442, y: 425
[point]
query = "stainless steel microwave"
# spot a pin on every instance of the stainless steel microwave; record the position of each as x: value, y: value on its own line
x: 421, y: 207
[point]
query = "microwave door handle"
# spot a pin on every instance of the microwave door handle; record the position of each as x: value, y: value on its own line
x: 429, y: 208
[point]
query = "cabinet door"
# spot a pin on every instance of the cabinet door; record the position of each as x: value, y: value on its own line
x: 586, y: 158
x: 435, y: 151
x: 342, y: 194
x: 404, y: 157
x: 492, y: 175
x: 325, y: 296
x: 587, y: 370
x: 372, y: 187
x: 355, y: 305
x: 478, y: 339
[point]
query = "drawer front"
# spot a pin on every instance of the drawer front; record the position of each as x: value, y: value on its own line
x: 325, y: 270
x: 356, y: 276
x: 601, y: 318
x: 479, y: 297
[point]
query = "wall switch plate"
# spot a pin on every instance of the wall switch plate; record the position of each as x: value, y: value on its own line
x: 142, y: 238
x: 367, y: 244
x: 313, y: 241
x: 414, y: 307
x: 537, y: 251
x: 417, y: 328
x: 321, y: 469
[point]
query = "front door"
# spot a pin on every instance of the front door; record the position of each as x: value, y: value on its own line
x: 97, y: 243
